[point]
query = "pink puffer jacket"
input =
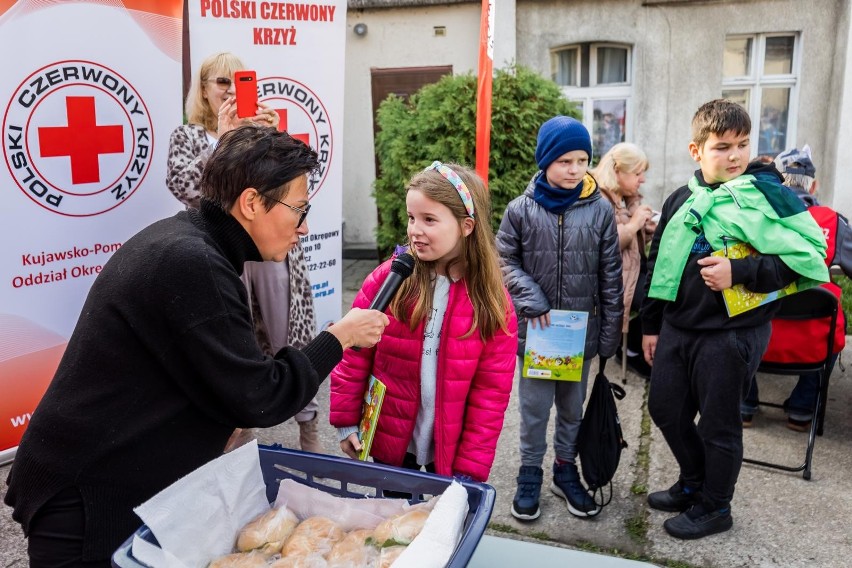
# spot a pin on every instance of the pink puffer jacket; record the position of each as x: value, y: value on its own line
x: 473, y: 385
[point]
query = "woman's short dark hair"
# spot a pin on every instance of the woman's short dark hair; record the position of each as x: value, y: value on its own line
x: 255, y: 156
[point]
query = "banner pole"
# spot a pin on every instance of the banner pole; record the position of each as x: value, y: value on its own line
x: 483, y: 91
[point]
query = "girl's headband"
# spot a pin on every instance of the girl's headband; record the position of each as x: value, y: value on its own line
x: 452, y: 177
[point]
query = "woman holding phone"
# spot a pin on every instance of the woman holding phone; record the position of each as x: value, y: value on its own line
x: 619, y: 174
x: 211, y: 110
x: 282, y: 302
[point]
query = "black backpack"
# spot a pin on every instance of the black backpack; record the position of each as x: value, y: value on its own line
x: 600, y: 440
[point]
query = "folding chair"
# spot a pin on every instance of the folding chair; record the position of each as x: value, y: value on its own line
x: 813, y: 303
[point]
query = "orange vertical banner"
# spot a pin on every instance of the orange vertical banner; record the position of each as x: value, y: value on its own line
x: 483, y: 90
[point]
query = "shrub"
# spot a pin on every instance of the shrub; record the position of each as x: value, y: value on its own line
x: 439, y: 123
x: 846, y: 299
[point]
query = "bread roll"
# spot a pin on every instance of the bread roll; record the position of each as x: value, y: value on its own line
x: 353, y: 550
x: 268, y: 531
x: 240, y: 560
x: 401, y: 529
x: 389, y: 555
x: 309, y: 561
x: 313, y: 535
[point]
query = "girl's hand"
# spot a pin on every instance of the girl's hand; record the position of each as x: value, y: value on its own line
x: 351, y: 446
x: 266, y: 116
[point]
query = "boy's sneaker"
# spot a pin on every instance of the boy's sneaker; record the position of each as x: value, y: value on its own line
x: 525, y: 504
x: 747, y: 420
x: 675, y: 499
x: 567, y: 484
x: 699, y: 521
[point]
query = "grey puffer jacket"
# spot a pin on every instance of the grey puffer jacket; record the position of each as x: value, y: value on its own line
x: 567, y: 262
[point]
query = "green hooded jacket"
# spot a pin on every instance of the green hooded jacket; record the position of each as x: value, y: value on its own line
x: 746, y: 209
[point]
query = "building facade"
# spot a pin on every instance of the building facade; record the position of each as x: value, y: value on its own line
x: 638, y: 70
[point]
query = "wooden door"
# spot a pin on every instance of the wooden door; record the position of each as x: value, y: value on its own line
x: 402, y: 82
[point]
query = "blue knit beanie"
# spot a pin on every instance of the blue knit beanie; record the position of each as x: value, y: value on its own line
x: 560, y: 135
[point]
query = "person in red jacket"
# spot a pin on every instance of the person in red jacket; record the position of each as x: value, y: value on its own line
x: 785, y: 344
x: 447, y: 357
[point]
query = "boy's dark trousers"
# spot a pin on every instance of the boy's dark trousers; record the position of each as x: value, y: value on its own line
x: 706, y: 372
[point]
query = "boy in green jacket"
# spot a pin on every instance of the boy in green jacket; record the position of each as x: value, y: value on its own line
x: 703, y: 358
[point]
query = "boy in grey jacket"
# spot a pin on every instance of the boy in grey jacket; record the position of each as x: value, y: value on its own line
x: 559, y: 247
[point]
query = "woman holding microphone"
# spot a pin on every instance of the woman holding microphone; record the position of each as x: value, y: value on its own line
x: 280, y: 295
x: 163, y: 364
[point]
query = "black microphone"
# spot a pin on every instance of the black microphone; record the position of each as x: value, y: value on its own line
x: 401, y: 268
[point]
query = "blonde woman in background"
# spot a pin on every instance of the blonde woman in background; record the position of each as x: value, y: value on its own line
x: 619, y: 174
x: 280, y: 295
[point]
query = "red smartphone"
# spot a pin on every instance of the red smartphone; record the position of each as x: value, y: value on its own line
x: 246, y: 90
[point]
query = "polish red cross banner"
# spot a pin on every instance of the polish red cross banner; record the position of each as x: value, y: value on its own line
x: 86, y: 116
x: 297, y: 51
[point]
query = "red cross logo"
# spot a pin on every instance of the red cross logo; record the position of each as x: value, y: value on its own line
x: 82, y: 140
x: 282, y: 127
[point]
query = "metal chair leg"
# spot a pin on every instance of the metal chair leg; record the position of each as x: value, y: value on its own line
x: 815, y: 429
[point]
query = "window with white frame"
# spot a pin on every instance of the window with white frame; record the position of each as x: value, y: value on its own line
x: 760, y: 72
x: 599, y: 77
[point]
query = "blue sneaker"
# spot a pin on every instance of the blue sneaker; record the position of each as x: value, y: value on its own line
x: 567, y: 484
x: 525, y: 504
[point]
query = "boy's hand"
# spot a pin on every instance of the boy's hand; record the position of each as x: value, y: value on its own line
x: 649, y: 347
x: 543, y: 321
x: 716, y: 272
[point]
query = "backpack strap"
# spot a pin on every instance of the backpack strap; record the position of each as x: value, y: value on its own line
x: 617, y: 391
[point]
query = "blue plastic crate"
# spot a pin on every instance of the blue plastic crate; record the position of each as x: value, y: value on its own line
x: 349, y: 478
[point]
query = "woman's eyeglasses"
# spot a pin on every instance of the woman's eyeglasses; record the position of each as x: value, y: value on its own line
x: 302, y: 212
x: 223, y: 82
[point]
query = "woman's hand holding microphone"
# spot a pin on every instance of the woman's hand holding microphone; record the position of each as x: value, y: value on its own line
x: 360, y: 328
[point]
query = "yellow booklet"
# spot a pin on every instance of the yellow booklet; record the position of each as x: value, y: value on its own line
x: 371, y: 408
x: 738, y: 298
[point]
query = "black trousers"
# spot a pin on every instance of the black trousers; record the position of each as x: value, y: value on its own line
x: 57, y: 531
x: 706, y: 373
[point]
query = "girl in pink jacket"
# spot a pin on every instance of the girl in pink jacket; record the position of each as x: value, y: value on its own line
x: 447, y: 357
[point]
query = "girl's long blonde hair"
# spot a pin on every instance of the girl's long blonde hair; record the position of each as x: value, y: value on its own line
x: 623, y: 157
x: 478, y: 259
x: 198, y: 109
